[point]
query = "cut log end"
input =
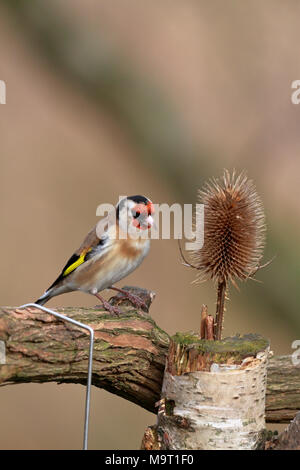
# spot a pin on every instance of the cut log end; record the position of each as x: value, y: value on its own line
x: 189, y: 353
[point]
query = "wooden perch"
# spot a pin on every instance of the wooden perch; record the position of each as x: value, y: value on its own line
x: 129, y: 355
x: 289, y: 439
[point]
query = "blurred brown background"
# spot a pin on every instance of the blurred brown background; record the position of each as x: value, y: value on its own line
x: 127, y: 97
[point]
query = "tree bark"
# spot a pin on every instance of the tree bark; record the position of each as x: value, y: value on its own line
x: 289, y: 439
x: 129, y: 350
x: 129, y: 355
x: 213, y: 394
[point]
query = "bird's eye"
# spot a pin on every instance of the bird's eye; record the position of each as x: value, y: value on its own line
x: 136, y: 214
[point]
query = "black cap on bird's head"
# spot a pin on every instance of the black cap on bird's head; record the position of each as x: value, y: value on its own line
x: 139, y: 199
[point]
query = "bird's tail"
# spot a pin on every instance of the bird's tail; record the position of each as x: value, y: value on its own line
x: 44, y: 298
x: 52, y: 292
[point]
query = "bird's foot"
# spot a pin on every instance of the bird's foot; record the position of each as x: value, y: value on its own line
x: 134, y: 299
x: 114, y: 310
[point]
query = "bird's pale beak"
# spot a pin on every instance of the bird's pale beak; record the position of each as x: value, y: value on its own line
x: 150, y: 221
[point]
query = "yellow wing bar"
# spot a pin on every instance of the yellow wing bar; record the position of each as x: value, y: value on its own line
x: 77, y: 263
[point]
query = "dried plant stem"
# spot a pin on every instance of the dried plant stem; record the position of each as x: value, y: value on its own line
x: 220, y: 309
x: 207, y: 324
x: 203, y: 319
x: 209, y: 327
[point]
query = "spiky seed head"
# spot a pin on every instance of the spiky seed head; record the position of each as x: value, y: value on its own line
x: 234, y: 229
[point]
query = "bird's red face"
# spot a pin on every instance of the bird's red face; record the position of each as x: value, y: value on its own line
x: 142, y: 215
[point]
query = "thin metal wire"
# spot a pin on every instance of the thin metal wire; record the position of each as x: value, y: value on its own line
x: 90, y: 364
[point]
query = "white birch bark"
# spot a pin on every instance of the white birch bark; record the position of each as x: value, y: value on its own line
x: 223, y: 408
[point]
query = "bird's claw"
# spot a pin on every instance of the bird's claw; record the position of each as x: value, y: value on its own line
x: 110, y: 308
x: 135, y: 300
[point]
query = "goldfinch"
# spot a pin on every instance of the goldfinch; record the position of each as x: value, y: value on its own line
x: 114, y: 248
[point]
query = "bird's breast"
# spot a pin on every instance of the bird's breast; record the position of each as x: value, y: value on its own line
x: 102, y: 271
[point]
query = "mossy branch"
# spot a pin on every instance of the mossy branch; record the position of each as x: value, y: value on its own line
x: 129, y: 355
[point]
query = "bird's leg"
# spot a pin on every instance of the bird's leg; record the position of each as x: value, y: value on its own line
x: 134, y: 299
x: 110, y: 308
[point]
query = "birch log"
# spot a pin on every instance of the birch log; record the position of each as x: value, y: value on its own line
x: 213, y: 394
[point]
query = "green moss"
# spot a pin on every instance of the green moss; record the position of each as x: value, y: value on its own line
x: 170, y: 405
x: 186, y: 338
x: 249, y: 421
x: 237, y: 346
x: 102, y: 346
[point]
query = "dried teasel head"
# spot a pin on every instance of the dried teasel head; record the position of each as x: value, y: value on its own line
x: 234, y: 229
x: 234, y: 235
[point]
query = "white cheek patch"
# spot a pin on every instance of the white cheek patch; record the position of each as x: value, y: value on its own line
x: 150, y: 220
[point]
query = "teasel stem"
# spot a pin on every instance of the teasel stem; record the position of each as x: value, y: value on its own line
x: 220, y: 309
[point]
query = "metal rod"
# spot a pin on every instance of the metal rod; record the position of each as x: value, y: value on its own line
x: 90, y: 363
